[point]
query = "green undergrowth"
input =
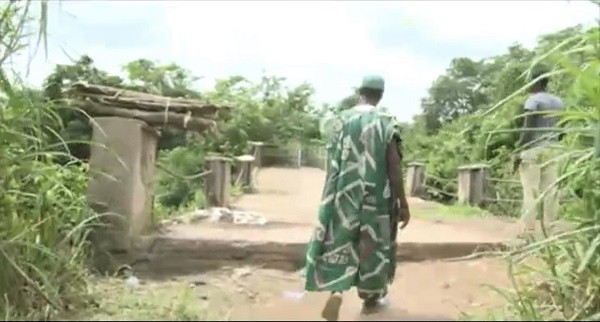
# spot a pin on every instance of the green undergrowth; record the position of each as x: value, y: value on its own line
x: 558, y: 277
x: 432, y: 210
x: 171, y: 300
x: 45, y: 224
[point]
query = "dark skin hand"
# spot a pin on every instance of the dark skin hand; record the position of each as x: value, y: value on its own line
x: 394, y: 167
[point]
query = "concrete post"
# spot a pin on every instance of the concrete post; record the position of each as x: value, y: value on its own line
x: 245, y: 174
x: 323, y: 156
x: 218, y: 182
x: 121, y: 176
x: 415, y: 179
x: 256, y: 150
x: 299, y: 156
x: 293, y: 153
x: 472, y: 184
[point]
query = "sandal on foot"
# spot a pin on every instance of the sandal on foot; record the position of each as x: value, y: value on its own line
x: 374, y: 305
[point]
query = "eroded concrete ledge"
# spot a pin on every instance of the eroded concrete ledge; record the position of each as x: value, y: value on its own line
x: 181, y: 256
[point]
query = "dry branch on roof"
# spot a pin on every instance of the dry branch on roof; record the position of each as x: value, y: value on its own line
x: 132, y: 100
x: 158, y: 119
x: 160, y: 111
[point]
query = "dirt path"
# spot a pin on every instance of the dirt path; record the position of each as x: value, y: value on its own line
x: 289, y: 199
x: 423, y: 291
x: 426, y: 290
x: 292, y: 196
x: 286, y: 195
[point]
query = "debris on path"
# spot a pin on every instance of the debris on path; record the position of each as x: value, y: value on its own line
x: 218, y: 215
x: 293, y: 295
x: 132, y: 282
x: 241, y: 287
x: 241, y: 272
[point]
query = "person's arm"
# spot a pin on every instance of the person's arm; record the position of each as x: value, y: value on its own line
x: 394, y: 170
x: 561, y: 134
x: 527, y: 122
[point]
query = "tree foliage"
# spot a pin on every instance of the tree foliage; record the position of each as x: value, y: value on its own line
x: 267, y: 110
x: 468, y: 116
x: 453, y: 130
x: 45, y: 216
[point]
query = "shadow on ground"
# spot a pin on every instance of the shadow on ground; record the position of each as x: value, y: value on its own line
x: 397, y: 314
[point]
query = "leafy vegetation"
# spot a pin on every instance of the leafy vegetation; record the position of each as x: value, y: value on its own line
x: 44, y: 147
x: 457, y: 125
x: 557, y: 278
x: 45, y: 218
x: 566, y: 283
x: 468, y: 116
x: 267, y: 111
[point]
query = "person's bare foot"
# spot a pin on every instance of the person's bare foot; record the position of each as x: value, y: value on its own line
x: 331, y: 311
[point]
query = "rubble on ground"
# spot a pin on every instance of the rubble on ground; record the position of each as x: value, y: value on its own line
x: 218, y: 215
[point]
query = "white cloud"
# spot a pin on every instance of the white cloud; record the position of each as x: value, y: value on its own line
x: 328, y: 44
x: 497, y: 22
x: 321, y: 42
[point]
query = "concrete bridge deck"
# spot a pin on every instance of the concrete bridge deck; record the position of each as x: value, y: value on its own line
x: 425, y: 289
x: 289, y: 199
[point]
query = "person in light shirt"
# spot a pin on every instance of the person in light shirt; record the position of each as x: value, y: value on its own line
x: 536, y: 163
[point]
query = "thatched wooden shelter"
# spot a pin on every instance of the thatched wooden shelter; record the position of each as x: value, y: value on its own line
x: 183, y: 113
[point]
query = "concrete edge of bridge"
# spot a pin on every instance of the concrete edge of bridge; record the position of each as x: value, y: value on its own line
x: 168, y: 255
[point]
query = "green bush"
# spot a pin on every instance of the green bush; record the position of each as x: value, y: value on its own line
x: 267, y: 111
x: 177, y: 192
x: 564, y: 282
x: 45, y: 218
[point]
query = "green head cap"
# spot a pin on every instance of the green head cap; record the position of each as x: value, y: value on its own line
x: 373, y: 82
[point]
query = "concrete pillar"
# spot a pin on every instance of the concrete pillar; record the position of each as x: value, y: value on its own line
x: 298, y: 156
x: 217, y: 184
x: 472, y: 184
x: 293, y: 153
x: 122, y: 159
x: 256, y: 150
x: 323, y: 157
x: 415, y: 179
x: 245, y: 172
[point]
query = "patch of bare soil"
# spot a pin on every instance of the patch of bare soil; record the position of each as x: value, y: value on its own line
x: 289, y: 199
x: 293, y: 195
x: 286, y: 195
x: 422, y: 291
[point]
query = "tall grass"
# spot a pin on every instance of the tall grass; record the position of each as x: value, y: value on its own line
x: 558, y: 278
x: 44, y: 216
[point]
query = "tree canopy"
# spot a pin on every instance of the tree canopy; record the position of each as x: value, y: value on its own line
x: 467, y: 116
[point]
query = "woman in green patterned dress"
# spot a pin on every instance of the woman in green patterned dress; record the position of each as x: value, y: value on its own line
x: 362, y: 205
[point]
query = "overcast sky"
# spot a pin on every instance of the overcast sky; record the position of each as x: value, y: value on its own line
x: 329, y: 44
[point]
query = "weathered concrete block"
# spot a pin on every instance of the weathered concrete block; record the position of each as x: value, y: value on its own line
x: 415, y: 179
x: 472, y: 184
x: 245, y: 172
x: 314, y: 156
x: 121, y: 176
x: 294, y: 150
x: 256, y: 150
x: 218, y: 182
